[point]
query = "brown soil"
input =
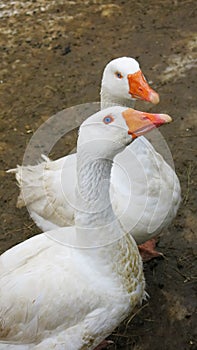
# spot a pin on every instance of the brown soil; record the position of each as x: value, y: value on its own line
x: 51, y: 58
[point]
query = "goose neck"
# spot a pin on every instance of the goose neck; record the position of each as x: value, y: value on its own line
x: 114, y: 253
x: 107, y: 100
x: 94, y: 209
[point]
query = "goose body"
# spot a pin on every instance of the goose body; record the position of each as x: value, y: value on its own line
x: 68, y: 288
x: 57, y: 297
x: 153, y: 200
x: 152, y: 192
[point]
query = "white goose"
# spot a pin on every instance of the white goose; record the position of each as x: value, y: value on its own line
x: 67, y: 289
x: 154, y: 186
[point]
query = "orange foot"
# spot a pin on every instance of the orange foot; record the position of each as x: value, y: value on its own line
x: 147, y: 250
x: 104, y: 344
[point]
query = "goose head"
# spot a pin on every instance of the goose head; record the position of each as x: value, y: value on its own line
x: 123, y: 81
x: 109, y: 131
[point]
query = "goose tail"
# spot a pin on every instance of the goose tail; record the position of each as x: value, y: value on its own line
x: 30, y: 181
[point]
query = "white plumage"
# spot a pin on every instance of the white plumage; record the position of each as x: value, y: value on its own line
x: 68, y: 288
x: 63, y: 298
x: 150, y: 190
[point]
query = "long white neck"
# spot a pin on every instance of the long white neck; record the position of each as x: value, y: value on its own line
x: 94, y: 214
x: 107, y: 100
x: 112, y: 251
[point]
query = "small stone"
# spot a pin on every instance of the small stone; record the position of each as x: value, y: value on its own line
x: 110, y: 10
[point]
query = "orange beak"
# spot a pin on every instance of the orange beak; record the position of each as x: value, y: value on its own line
x: 139, y: 88
x: 139, y: 123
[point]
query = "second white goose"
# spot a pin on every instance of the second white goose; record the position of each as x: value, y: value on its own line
x: 146, y: 185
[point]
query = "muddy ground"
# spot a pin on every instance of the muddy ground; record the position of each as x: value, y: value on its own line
x: 52, y: 57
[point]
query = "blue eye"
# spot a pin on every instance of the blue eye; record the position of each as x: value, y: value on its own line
x: 108, y: 119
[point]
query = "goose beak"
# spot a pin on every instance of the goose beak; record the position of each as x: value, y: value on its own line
x: 139, y: 88
x: 139, y: 123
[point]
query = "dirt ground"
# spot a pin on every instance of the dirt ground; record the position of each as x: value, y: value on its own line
x: 52, y: 57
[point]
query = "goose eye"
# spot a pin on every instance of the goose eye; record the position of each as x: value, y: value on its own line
x: 108, y: 119
x: 118, y: 75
